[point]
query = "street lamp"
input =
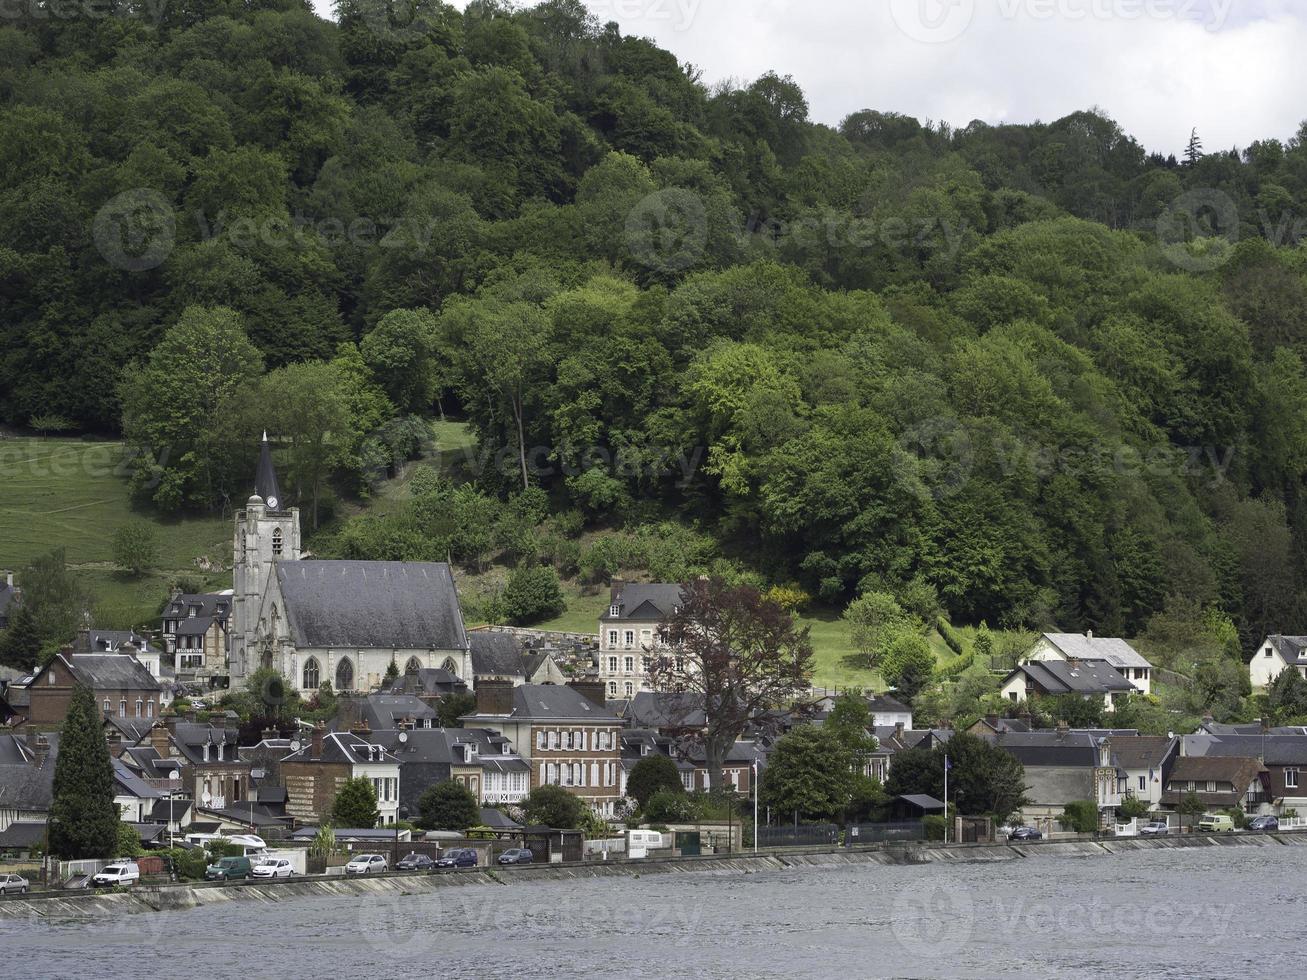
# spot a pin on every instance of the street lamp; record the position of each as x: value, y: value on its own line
x: 400, y: 814
x: 174, y: 777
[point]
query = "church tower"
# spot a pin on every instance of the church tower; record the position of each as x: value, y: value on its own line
x: 266, y: 532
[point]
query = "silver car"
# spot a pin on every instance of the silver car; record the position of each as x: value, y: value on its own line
x: 13, y: 885
x: 1158, y: 828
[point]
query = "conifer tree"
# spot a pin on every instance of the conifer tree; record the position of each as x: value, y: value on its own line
x: 83, y: 816
x: 20, y: 645
x: 1194, y: 152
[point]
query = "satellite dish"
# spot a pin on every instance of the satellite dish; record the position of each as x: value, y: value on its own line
x: 206, y: 798
x: 295, y: 745
x: 403, y: 737
x: 174, y: 776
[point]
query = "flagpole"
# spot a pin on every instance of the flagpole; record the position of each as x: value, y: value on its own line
x: 755, y: 804
x: 945, y: 799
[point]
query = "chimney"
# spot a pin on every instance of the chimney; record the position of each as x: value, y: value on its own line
x: 128, y: 649
x: 159, y: 740
x: 1089, y: 635
x: 315, y: 743
x: 360, y: 727
x: 898, y: 729
x: 591, y: 690
x: 615, y: 588
x: 494, y: 697
x: 39, y: 745
x: 83, y: 642
x: 269, y: 734
x: 1062, y: 729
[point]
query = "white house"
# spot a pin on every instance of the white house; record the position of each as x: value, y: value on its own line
x: 1116, y: 653
x: 1051, y: 678
x: 1273, y: 656
x: 628, y: 634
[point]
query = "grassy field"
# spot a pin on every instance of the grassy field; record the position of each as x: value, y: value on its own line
x: 70, y: 494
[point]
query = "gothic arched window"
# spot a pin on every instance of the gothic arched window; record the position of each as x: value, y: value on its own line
x: 450, y: 666
x: 276, y: 543
x: 412, y: 667
x: 311, y: 674
x: 345, y: 675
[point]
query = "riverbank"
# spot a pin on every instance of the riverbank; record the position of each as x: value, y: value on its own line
x: 178, y: 897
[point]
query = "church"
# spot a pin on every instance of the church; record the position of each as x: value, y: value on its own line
x: 344, y: 622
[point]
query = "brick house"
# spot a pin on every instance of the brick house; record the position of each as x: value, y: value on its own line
x: 566, y: 734
x: 210, y: 762
x: 120, y: 683
x: 315, y: 773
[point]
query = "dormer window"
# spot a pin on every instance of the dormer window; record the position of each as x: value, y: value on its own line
x: 614, y: 611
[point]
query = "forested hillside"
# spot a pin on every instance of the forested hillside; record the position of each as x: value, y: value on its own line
x: 990, y: 360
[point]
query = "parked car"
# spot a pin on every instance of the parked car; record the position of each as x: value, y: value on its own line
x: 1216, y: 823
x: 1158, y: 828
x: 366, y: 864
x: 1264, y: 824
x: 273, y: 868
x: 458, y: 857
x: 415, y: 862
x: 516, y: 855
x: 13, y: 885
x: 123, y: 873
x: 229, y: 869
x: 1025, y: 833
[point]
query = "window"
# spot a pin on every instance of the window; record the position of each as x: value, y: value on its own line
x: 630, y: 688
x: 1211, y: 786
x: 540, y: 740
x: 122, y: 708
x: 629, y: 664
x: 630, y: 638
x: 345, y: 675
x: 567, y: 740
x: 1291, y: 779
x: 149, y: 709
x: 680, y: 665
x: 579, y: 775
x: 49, y: 677
x: 140, y: 705
x: 553, y: 740
x: 594, y: 774
x: 312, y: 674
x: 276, y: 543
x: 1143, y: 782
x: 612, y: 665
x: 450, y: 666
x: 644, y: 664
x: 412, y: 667
x: 614, y: 611
x: 581, y: 740
x: 612, y: 688
x: 108, y: 708
x: 612, y: 638
x: 1269, y: 653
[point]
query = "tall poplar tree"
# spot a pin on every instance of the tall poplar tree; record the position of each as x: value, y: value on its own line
x: 83, y: 816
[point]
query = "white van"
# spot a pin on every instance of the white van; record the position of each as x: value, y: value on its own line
x: 640, y: 842
x: 122, y: 873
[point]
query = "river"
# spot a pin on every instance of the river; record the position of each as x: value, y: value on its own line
x: 1201, y: 912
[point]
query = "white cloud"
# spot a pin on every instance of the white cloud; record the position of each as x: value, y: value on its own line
x: 1232, y: 68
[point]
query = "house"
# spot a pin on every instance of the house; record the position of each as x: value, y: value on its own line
x: 315, y: 773
x: 1220, y: 782
x: 208, y: 760
x: 628, y: 634
x: 640, y: 743
x: 1282, y: 751
x: 9, y: 594
x: 885, y: 711
x: 26, y: 777
x: 497, y: 655
x: 120, y: 683
x: 1274, y: 656
x: 1146, y: 762
x: 668, y: 712
x: 566, y: 734
x: 993, y: 724
x: 737, y: 767
x: 135, y: 797
x: 120, y: 641
x: 195, y: 633
x: 343, y: 622
x: 385, y: 712
x: 23, y: 841
x: 1091, y: 680
x: 1087, y: 648
x: 484, y: 761
x: 1061, y: 767
x: 891, y: 740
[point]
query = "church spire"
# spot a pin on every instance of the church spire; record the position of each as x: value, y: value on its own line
x: 265, y: 480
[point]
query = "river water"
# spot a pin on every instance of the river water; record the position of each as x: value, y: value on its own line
x: 1200, y: 912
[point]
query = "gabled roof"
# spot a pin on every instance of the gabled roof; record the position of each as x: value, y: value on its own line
x: 1238, y: 772
x: 496, y: 654
x: 549, y: 702
x: 1080, y: 646
x: 429, y: 681
x: 1275, y: 750
x: 372, y: 605
x: 1143, y: 751
x: 1061, y: 677
x: 651, y: 602
x: 191, y: 737
x: 129, y: 783
x: 1293, y: 649
x: 216, y: 605
x: 108, y: 641
x: 661, y: 709
x: 343, y: 747
x: 24, y: 785
x: 386, y: 711
x: 196, y: 625
x: 497, y: 819
x: 22, y: 834
x: 106, y: 671
x: 1049, y: 748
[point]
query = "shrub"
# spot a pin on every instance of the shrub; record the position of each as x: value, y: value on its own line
x: 533, y: 594
x: 950, y: 635
x: 669, y: 806
x: 652, y: 774
x: 1080, y: 816
x: 933, y: 824
x: 448, y: 806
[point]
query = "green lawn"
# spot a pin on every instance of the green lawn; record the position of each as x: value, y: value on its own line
x: 71, y: 494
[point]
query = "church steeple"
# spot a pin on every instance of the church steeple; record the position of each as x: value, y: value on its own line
x: 265, y: 480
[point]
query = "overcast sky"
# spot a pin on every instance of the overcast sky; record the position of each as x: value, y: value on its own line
x: 1233, y: 68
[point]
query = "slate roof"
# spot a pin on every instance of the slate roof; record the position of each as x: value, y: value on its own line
x: 372, y: 605
x: 652, y: 602
x: 131, y: 784
x: 195, y: 626
x: 108, y: 641
x: 550, y: 702
x: 160, y: 813
x: 496, y: 654
x: 428, y: 681
x: 1143, y: 751
x: 1049, y: 748
x: 1060, y: 677
x: 1275, y: 750
x: 21, y: 835
x: 108, y: 672
x: 383, y: 711
x: 1292, y: 648
x: 1116, y: 652
x: 265, y: 478
x: 191, y: 737
x: 341, y: 747
x: 216, y: 605
x: 497, y: 819
x: 25, y: 787
x: 659, y: 709
x: 1238, y: 772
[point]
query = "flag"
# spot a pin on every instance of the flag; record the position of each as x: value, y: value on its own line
x: 947, y: 764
